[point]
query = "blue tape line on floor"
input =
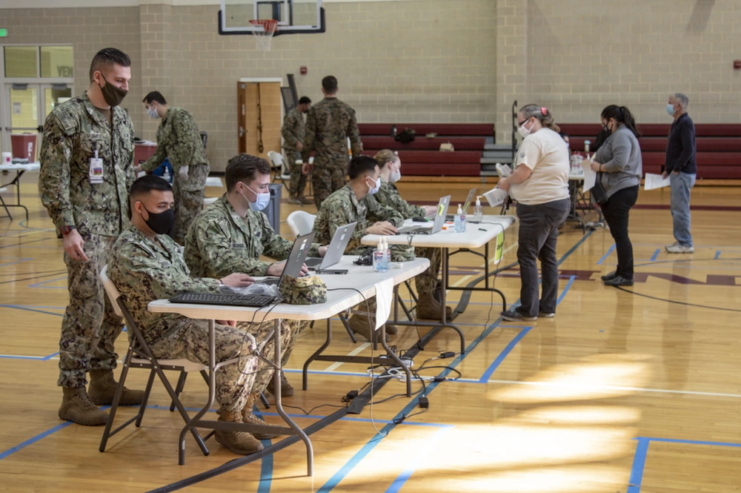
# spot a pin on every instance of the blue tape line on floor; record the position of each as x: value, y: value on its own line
x: 612, y: 249
x: 505, y: 352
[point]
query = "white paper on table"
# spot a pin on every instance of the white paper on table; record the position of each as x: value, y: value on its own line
x: 384, y: 294
x: 590, y: 176
x: 496, y: 196
x: 654, y: 181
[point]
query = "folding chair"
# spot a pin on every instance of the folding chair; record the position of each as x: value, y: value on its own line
x: 276, y: 159
x: 140, y: 356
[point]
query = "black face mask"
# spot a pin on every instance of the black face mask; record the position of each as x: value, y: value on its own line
x: 160, y: 223
x: 607, y: 130
x: 113, y: 95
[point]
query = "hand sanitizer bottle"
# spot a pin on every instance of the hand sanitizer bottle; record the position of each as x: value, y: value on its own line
x: 166, y: 176
x: 387, y: 250
x: 457, y: 220
x: 478, y: 211
x: 463, y: 219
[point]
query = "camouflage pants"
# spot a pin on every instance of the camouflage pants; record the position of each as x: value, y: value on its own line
x: 326, y: 181
x: 296, y: 328
x: 234, y: 382
x: 261, y: 332
x: 187, y: 206
x: 90, y: 326
x: 298, y: 178
x: 427, y: 281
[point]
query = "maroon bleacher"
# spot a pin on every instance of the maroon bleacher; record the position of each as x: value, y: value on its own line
x: 422, y: 157
x: 718, y: 146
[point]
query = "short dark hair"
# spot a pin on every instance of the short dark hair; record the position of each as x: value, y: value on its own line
x: 147, y: 184
x: 360, y: 165
x: 304, y: 100
x: 154, y: 96
x: 329, y: 83
x: 107, y: 57
x: 244, y: 167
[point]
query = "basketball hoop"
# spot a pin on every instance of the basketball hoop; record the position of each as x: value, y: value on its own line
x: 264, y: 36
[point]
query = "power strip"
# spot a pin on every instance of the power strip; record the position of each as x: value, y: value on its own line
x: 409, y: 363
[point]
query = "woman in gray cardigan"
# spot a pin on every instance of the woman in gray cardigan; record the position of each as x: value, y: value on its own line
x: 620, y: 167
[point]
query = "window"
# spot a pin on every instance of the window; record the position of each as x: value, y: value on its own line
x: 21, y: 61
x: 57, y: 62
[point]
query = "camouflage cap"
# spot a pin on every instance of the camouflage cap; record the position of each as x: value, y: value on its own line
x: 309, y: 290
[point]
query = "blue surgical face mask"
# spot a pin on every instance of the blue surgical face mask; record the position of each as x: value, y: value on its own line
x: 670, y: 109
x: 263, y: 199
x: 374, y: 190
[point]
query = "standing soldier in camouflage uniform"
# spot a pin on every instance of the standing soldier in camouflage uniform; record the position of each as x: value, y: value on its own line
x: 328, y: 126
x: 293, y: 138
x: 179, y: 140
x: 428, y: 306
x: 86, y: 167
x: 147, y: 265
x: 351, y: 204
x: 230, y: 236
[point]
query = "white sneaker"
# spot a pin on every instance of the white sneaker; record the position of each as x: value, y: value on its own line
x: 677, y: 248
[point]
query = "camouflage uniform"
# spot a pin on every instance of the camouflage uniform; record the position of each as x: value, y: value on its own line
x: 220, y: 243
x: 144, y: 270
x: 388, y: 195
x: 341, y: 208
x: 179, y: 140
x: 73, y: 131
x: 328, y: 126
x: 293, y: 132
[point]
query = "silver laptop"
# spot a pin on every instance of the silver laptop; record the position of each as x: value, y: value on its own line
x: 466, y: 204
x: 442, y: 210
x: 295, y: 261
x: 335, y: 250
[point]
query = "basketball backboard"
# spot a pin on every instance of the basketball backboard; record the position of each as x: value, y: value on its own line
x: 293, y: 16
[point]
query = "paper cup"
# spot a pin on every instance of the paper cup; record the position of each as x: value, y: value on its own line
x: 7, y: 158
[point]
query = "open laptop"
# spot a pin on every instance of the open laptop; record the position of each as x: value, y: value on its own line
x: 466, y: 204
x: 335, y: 250
x: 442, y: 210
x: 295, y: 261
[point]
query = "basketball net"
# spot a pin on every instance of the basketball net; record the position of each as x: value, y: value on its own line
x: 264, y: 35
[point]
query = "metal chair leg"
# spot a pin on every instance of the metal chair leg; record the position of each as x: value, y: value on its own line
x: 179, y: 388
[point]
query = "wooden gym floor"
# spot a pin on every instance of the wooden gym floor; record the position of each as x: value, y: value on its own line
x: 624, y: 391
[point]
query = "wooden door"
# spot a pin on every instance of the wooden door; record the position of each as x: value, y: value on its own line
x: 259, y: 117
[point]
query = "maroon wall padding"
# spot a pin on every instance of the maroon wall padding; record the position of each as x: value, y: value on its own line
x: 436, y: 157
x: 422, y: 143
x: 445, y: 169
x: 443, y: 129
x: 656, y: 129
x: 658, y: 144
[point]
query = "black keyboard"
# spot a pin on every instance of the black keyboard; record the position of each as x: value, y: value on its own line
x: 252, y: 300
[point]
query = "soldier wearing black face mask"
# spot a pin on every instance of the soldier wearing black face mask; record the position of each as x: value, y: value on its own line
x: 87, y: 168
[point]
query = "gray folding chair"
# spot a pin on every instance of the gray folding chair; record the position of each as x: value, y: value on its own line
x: 140, y: 356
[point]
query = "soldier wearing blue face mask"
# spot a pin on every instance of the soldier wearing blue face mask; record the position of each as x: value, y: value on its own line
x: 232, y: 234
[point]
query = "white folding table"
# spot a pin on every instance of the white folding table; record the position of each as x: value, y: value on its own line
x: 476, y: 236
x: 344, y: 292
x: 19, y: 170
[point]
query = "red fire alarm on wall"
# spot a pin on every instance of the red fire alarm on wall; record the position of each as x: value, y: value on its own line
x: 305, y: 70
x: 737, y: 64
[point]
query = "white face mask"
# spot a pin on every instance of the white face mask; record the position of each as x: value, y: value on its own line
x: 395, y: 175
x: 374, y: 189
x: 152, y: 112
x: 263, y: 199
x: 524, y: 132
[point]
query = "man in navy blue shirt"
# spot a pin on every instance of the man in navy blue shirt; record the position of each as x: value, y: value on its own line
x: 681, y: 167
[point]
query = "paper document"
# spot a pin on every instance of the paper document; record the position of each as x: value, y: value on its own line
x: 496, y: 196
x: 590, y: 176
x: 499, y: 252
x: 655, y: 181
x: 384, y: 296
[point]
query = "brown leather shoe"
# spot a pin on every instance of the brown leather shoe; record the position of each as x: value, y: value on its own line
x: 249, y: 417
x: 103, y: 388
x: 78, y: 408
x: 239, y: 442
x: 429, y: 308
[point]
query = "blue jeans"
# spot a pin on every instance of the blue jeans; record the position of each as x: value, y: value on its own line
x: 681, y: 184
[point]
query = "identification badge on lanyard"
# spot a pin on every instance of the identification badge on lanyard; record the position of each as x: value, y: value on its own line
x: 183, y: 172
x: 96, y: 169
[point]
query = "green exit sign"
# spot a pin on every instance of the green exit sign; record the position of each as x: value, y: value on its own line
x: 3, y: 33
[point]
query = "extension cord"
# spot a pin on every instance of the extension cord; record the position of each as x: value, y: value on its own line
x: 409, y: 363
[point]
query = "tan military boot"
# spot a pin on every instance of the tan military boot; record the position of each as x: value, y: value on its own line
x: 362, y: 325
x: 429, y: 308
x: 78, y: 408
x: 305, y: 200
x: 239, y: 442
x: 286, y: 389
x: 103, y: 387
x: 391, y: 329
x: 249, y: 417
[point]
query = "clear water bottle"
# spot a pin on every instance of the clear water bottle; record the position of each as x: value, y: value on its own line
x: 380, y: 257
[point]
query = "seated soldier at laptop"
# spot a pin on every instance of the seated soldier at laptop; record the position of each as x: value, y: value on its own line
x: 148, y: 265
x: 349, y: 204
x: 232, y: 234
x: 429, y: 306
